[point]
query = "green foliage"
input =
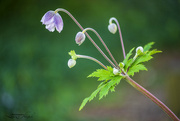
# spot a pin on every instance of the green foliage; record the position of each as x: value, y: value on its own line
x: 109, y: 83
x: 110, y: 80
x: 73, y: 54
x: 103, y: 74
x: 134, y: 64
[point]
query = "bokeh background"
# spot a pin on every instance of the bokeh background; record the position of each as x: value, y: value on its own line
x: 36, y: 81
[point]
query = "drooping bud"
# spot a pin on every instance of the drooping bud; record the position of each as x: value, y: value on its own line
x: 112, y: 28
x: 139, y: 50
x: 80, y: 37
x: 71, y: 63
x: 115, y: 71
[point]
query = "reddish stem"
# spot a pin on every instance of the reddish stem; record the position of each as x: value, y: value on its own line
x: 152, y: 97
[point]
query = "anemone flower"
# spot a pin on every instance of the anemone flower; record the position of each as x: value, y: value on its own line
x: 52, y: 20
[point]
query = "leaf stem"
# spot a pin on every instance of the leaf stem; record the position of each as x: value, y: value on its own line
x: 91, y: 29
x: 91, y: 58
x: 110, y: 21
x: 152, y: 97
x: 104, y: 55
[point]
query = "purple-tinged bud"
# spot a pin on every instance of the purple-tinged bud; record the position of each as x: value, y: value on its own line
x: 71, y: 63
x: 112, y: 28
x: 80, y: 37
x: 53, y: 21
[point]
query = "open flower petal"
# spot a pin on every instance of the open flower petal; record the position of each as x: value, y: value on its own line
x: 50, y: 27
x: 52, y: 21
x: 48, y: 17
x: 58, y: 22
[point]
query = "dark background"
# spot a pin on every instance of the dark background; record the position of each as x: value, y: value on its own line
x: 34, y: 77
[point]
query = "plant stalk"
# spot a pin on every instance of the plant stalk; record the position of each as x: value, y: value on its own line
x: 93, y: 59
x: 104, y: 55
x: 122, y: 44
x: 91, y: 29
x: 152, y: 97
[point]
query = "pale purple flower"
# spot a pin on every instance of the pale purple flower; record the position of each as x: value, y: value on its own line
x: 52, y: 20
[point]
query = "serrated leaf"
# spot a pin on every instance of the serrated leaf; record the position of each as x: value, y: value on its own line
x: 109, y: 85
x: 112, y: 89
x: 127, y: 56
x: 128, y: 64
x: 142, y: 58
x: 83, y: 103
x: 103, y: 74
x: 93, y: 95
x: 136, y: 68
x: 152, y: 52
x: 148, y: 46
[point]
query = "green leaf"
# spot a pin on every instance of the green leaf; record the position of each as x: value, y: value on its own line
x: 143, y: 58
x: 103, y: 74
x: 83, y: 103
x: 109, y: 86
x: 148, y: 46
x: 152, y: 52
x: 127, y: 56
x: 128, y: 64
x: 136, y: 68
x: 93, y: 95
x: 112, y: 89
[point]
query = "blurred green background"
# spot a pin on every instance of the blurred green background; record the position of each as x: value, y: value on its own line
x: 36, y: 81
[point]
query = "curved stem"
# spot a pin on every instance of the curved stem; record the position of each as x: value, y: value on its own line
x: 91, y: 29
x: 104, y: 55
x: 119, y: 34
x: 93, y: 59
x: 152, y: 97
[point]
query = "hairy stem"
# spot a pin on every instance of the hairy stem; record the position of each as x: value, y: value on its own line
x: 93, y: 59
x: 152, y: 97
x: 102, y: 43
x: 124, y: 54
x: 104, y: 55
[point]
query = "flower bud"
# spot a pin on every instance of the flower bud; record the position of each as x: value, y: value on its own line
x: 80, y: 37
x: 139, y: 50
x: 71, y: 63
x: 112, y: 28
x: 115, y: 71
x: 121, y: 65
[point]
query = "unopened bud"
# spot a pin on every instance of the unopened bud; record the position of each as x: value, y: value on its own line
x: 115, y: 71
x: 80, y: 37
x: 139, y: 50
x: 121, y: 65
x: 112, y: 28
x: 71, y: 63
